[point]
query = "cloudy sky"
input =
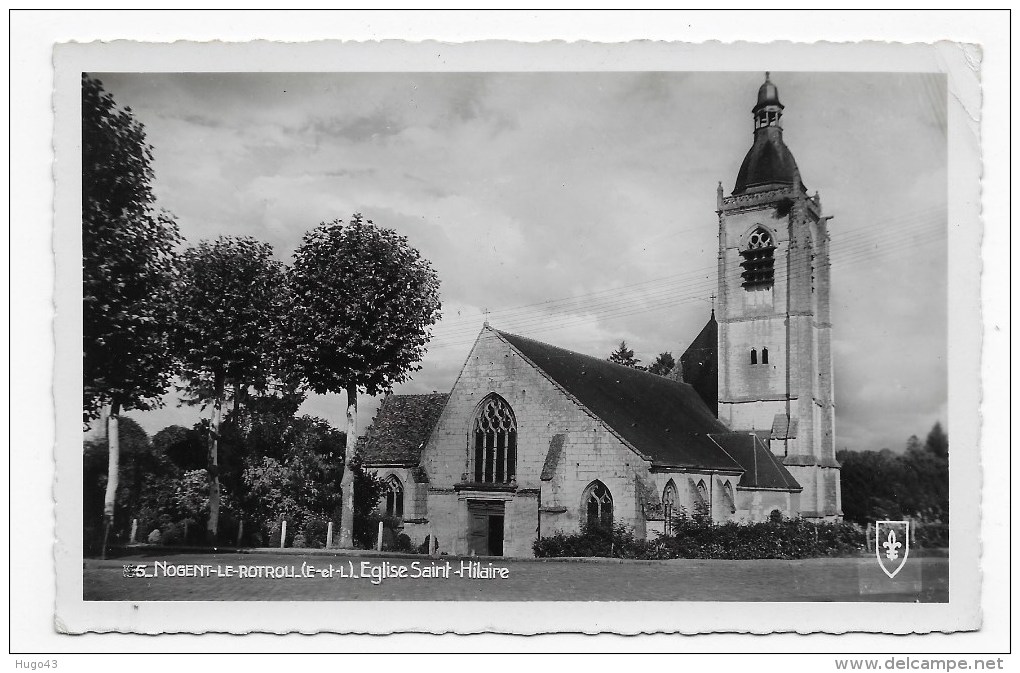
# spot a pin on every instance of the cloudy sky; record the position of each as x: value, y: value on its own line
x: 579, y: 209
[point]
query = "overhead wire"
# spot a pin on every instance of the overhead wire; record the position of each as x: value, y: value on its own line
x: 672, y: 292
x: 902, y: 225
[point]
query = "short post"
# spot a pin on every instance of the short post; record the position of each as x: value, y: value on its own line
x: 329, y: 535
x: 134, y: 530
x: 283, y: 533
x: 240, y: 532
x: 378, y: 541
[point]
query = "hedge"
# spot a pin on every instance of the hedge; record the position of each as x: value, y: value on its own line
x: 777, y: 538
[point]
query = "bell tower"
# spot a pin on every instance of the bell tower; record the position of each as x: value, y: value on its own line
x: 774, y: 330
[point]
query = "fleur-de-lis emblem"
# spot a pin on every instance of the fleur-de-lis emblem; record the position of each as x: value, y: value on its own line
x: 892, y: 547
x: 892, y: 553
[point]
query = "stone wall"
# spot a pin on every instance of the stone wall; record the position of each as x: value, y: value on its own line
x: 792, y: 321
x: 590, y: 451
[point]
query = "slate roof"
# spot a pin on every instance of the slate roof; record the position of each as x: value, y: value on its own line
x: 762, y: 469
x: 769, y: 163
x: 699, y: 365
x: 663, y: 419
x: 783, y: 427
x: 401, y: 427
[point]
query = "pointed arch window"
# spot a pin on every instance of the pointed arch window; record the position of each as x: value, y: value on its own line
x: 495, y: 442
x: 754, y: 356
x: 669, y: 500
x: 394, y: 495
x: 727, y: 488
x: 764, y: 356
x: 759, y: 260
x: 598, y: 506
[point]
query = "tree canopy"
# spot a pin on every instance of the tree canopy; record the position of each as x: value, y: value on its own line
x: 886, y: 485
x: 184, y: 447
x: 625, y: 356
x: 229, y: 300
x: 663, y: 364
x: 127, y: 261
x: 362, y: 304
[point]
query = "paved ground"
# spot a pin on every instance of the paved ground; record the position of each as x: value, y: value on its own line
x: 839, y: 579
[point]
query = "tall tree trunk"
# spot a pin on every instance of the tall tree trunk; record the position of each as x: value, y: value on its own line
x: 347, y: 482
x: 214, y: 459
x: 112, y: 471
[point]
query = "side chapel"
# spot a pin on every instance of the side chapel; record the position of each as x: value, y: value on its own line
x: 535, y: 439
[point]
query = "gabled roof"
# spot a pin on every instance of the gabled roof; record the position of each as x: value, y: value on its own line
x: 762, y: 469
x: 664, y: 420
x: 699, y: 365
x: 401, y: 427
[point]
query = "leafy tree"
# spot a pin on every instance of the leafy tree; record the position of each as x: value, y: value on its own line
x: 229, y: 301
x: 663, y: 364
x: 264, y: 426
x: 363, y: 302
x: 937, y: 441
x: 184, y: 447
x: 886, y: 485
x: 625, y: 356
x: 140, y: 464
x: 127, y: 268
x: 178, y: 507
x: 301, y: 484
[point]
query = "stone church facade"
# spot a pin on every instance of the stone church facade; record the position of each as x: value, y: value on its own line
x: 534, y: 439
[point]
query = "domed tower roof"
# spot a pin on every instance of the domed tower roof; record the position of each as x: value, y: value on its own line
x: 769, y: 163
x: 768, y: 94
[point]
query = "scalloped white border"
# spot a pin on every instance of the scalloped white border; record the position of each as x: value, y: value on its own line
x: 534, y: 617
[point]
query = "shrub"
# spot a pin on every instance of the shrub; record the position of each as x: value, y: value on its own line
x: 315, y: 532
x: 275, y: 528
x: 930, y: 534
x: 618, y: 541
x: 172, y: 534
x: 403, y: 544
x: 693, y: 537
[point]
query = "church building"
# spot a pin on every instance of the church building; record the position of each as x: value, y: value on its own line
x: 534, y: 439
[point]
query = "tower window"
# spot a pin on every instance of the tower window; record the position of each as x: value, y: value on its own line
x: 495, y: 431
x: 764, y: 356
x: 759, y: 260
x: 754, y: 356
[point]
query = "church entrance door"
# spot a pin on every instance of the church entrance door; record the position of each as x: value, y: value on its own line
x: 485, y: 527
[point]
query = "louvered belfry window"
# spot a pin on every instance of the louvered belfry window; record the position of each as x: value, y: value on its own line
x: 759, y: 260
x: 495, y: 442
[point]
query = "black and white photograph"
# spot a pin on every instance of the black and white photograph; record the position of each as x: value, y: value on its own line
x: 556, y: 332
x: 680, y: 339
